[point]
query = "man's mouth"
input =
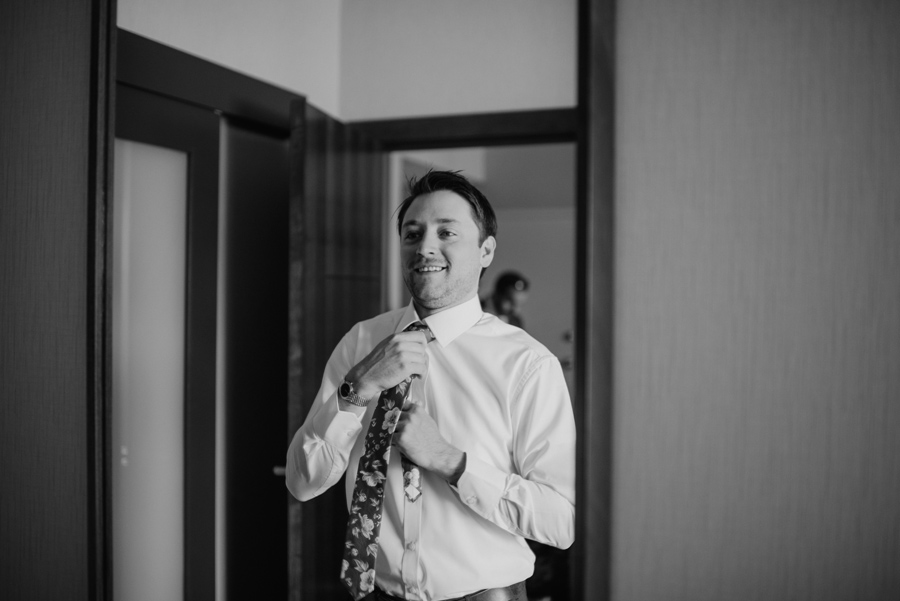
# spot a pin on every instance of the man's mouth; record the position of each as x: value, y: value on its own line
x: 429, y: 268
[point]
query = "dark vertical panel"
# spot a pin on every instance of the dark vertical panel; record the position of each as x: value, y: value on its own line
x: 299, y: 262
x: 322, y: 557
x: 104, y: 126
x: 594, y: 298
x: 200, y: 368
x: 314, y: 177
x: 255, y: 372
x: 376, y: 160
x: 54, y: 116
x: 366, y: 195
x: 332, y: 209
x: 344, y: 212
x: 313, y: 248
x: 334, y: 192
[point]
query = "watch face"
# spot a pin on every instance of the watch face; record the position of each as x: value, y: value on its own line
x: 344, y: 390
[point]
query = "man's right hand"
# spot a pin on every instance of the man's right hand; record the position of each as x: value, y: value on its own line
x: 394, y: 359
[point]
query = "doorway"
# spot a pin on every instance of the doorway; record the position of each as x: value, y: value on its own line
x: 228, y: 519
x: 532, y: 190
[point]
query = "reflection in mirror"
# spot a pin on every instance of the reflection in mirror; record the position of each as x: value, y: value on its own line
x: 532, y: 191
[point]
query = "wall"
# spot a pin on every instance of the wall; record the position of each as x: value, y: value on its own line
x: 532, y: 189
x: 550, y: 269
x: 294, y: 44
x: 355, y: 60
x: 537, y: 176
x: 757, y: 298
x: 407, y: 58
x: 48, y: 152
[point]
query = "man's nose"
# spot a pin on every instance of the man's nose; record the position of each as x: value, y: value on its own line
x: 425, y: 251
x: 427, y: 245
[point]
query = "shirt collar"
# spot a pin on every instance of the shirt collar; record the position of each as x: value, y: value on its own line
x: 446, y: 325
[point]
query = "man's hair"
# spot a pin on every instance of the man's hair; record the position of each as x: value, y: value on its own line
x: 452, y: 181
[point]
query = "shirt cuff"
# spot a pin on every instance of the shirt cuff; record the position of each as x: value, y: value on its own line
x: 336, y: 427
x: 481, y: 486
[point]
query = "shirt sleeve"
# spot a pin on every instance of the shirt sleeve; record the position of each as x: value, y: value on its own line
x: 320, y: 450
x: 538, y: 500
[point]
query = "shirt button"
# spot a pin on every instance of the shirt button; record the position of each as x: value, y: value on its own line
x: 411, y: 546
x: 471, y: 499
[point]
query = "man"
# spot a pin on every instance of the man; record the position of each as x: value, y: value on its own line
x: 482, y: 456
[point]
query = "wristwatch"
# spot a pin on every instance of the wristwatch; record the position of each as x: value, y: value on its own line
x: 347, y: 393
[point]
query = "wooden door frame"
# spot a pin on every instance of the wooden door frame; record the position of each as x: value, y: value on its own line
x: 144, y: 65
x: 590, y: 126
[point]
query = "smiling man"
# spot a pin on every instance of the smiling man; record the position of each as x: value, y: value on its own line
x: 455, y: 428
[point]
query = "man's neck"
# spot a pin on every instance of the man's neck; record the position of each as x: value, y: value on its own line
x: 424, y: 312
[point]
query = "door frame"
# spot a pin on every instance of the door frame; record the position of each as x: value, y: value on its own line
x: 148, y: 67
x: 590, y: 125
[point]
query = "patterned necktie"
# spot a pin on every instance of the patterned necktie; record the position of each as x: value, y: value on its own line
x: 364, y: 525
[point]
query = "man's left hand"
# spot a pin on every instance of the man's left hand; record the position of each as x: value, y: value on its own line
x: 417, y: 436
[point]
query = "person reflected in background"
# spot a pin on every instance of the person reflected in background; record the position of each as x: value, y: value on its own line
x: 509, y: 295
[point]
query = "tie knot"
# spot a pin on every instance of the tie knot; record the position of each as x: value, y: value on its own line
x: 420, y: 326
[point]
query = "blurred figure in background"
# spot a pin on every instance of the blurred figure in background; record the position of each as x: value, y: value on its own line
x: 510, y: 293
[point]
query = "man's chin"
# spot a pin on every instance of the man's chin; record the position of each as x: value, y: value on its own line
x: 430, y: 302
x: 427, y: 299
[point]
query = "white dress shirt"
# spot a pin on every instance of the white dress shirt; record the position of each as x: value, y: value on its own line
x: 496, y: 394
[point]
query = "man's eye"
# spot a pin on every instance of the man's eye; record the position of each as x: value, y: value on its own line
x: 448, y: 233
x: 410, y: 235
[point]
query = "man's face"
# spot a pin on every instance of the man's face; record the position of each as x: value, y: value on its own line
x: 440, y: 252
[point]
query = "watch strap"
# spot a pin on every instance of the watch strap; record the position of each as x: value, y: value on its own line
x: 351, y: 396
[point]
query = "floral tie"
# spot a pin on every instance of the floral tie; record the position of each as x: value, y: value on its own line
x: 364, y: 525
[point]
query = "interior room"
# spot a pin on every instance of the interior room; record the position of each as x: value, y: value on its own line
x: 709, y: 190
x: 532, y: 190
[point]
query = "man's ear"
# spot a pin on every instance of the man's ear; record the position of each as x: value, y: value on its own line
x: 487, y: 250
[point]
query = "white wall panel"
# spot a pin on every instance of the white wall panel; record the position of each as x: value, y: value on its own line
x: 294, y: 44
x: 409, y: 58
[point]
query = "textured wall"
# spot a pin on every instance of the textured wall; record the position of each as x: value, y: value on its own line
x: 45, y: 209
x: 757, y: 422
